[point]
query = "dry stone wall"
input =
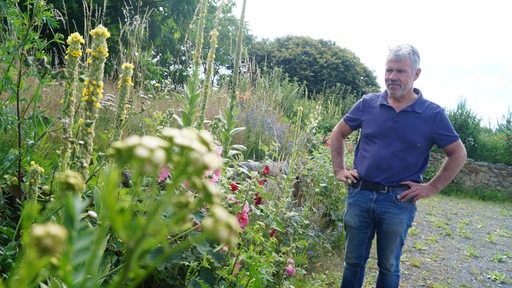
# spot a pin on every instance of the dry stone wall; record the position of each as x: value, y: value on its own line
x: 483, y: 175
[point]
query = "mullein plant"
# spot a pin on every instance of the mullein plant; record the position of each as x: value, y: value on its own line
x: 232, y: 111
x: 34, y: 178
x: 210, y: 61
x: 125, y: 84
x: 73, y: 54
x: 92, y: 94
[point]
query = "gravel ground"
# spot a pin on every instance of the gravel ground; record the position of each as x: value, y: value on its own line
x: 456, y: 243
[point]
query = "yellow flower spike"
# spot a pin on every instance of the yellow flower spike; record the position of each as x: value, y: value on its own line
x: 88, y: 50
x: 98, y: 105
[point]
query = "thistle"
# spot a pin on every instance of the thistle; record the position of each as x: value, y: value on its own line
x: 73, y: 54
x: 92, y: 94
x: 125, y: 83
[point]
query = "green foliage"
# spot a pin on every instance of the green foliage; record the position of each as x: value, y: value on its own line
x: 467, y: 124
x: 318, y: 64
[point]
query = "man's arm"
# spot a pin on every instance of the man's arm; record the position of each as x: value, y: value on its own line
x: 338, y: 136
x: 455, y: 158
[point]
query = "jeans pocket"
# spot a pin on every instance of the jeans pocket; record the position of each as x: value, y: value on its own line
x: 405, y: 204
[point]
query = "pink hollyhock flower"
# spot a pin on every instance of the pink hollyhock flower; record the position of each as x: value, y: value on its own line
x: 290, y: 270
x: 215, y: 176
x: 266, y: 170
x: 234, y: 186
x: 257, y: 200
x: 198, y: 227
x: 290, y: 261
x: 262, y: 182
x: 243, y: 220
x: 166, y: 171
x: 272, y: 233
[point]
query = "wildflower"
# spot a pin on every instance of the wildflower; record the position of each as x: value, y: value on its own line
x: 257, y: 200
x: 244, y: 97
x: 236, y: 269
x: 266, y: 170
x: 350, y: 147
x: 272, y: 233
x: 242, y: 218
x: 48, y: 239
x: 262, y: 182
x: 290, y: 270
x: 164, y: 174
x: 71, y: 181
x: 221, y: 224
x: 234, y: 186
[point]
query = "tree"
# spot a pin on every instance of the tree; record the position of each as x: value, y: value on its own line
x: 467, y: 125
x: 319, y: 64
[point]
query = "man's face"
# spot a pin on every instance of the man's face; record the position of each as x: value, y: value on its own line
x: 400, y: 77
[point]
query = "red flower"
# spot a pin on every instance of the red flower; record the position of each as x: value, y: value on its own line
x: 262, y: 182
x: 234, y: 186
x: 327, y: 143
x: 266, y: 170
x: 257, y: 200
x: 272, y: 233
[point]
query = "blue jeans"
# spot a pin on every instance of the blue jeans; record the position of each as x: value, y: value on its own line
x: 368, y: 213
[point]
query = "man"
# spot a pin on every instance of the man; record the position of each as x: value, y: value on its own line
x: 398, y: 129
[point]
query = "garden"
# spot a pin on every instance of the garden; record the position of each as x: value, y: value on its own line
x: 117, y: 171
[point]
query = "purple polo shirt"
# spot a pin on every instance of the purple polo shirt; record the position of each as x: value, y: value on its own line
x: 395, y: 147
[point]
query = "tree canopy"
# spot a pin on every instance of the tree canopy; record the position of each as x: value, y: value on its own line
x: 319, y: 64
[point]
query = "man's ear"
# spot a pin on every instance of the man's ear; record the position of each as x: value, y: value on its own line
x: 417, y: 74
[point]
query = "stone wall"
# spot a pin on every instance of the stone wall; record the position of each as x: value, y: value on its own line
x: 483, y: 175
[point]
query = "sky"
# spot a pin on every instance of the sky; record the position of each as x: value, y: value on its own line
x: 465, y: 45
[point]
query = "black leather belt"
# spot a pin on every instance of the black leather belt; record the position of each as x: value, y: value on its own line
x: 377, y: 187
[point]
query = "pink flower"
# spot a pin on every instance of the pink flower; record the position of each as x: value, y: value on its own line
x: 243, y: 220
x: 166, y: 171
x: 350, y: 147
x: 215, y: 176
x: 262, y: 182
x: 290, y: 270
x: 236, y: 269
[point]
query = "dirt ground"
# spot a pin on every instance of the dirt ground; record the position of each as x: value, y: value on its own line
x: 456, y: 243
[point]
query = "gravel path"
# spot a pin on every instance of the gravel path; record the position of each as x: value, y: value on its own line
x: 456, y: 243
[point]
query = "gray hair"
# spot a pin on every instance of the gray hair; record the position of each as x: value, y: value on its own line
x: 405, y: 50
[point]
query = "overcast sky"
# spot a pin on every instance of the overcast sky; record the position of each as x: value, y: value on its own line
x: 465, y: 46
